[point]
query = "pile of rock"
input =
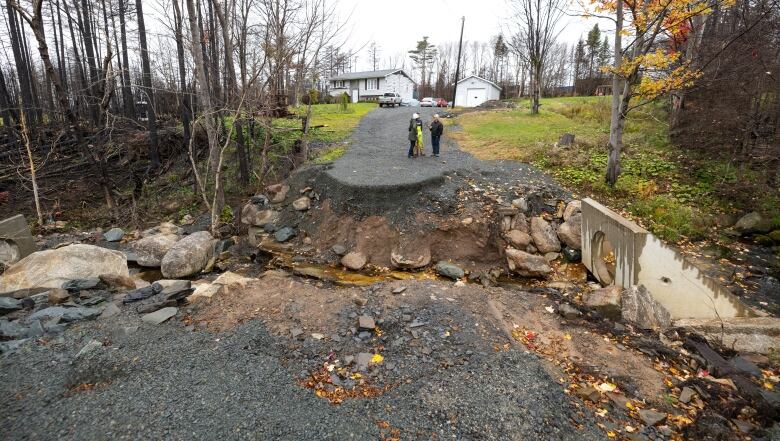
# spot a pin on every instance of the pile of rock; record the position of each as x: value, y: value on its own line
x: 262, y: 213
x: 532, y: 244
x: 760, y: 228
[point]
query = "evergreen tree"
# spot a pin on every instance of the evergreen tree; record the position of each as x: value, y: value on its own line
x: 593, y: 42
x: 423, y: 55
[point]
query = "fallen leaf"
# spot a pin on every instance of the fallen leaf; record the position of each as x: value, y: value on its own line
x: 377, y: 358
x: 607, y: 387
x: 550, y: 309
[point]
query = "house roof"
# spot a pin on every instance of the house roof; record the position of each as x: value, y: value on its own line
x: 368, y: 74
x: 480, y: 78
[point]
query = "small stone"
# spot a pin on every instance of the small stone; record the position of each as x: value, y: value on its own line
x: 399, y: 290
x: 568, y: 312
x: 450, y: 270
x: 366, y: 322
x: 302, y: 203
x: 651, y: 417
x: 81, y: 284
x: 571, y: 255
x: 117, y: 281
x: 296, y: 332
x: 605, y: 300
x: 160, y: 316
x: 364, y: 335
x: 521, y: 204
x: 685, y: 395
x: 114, y: 235
x: 589, y: 393
x: 339, y: 250
x: 92, y: 346
x: 110, y: 311
x: 57, y: 296
x: 467, y: 221
x: 426, y: 350
x: 317, y: 336
x: 348, y: 360
x: 284, y: 234
x: 363, y: 360
x: 551, y: 256
x: 354, y: 261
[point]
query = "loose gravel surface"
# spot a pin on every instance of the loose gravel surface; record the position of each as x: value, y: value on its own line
x: 170, y: 382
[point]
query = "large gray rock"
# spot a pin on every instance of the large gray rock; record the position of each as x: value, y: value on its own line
x: 570, y: 232
x: 605, y: 300
x: 150, y: 250
x: 527, y: 265
x: 753, y: 223
x: 65, y: 314
x: 52, y: 268
x: 354, y: 260
x: 640, y: 308
x: 518, y: 239
x: 449, y: 270
x: 255, y: 215
x: 188, y: 256
x: 8, y: 304
x: 545, y: 239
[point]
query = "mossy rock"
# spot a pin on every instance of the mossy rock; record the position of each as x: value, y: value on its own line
x: 775, y: 235
x: 763, y: 240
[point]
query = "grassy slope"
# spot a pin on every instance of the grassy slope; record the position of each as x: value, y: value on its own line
x: 674, y: 192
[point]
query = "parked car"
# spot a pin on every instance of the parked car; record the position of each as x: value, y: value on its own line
x: 440, y: 102
x: 390, y: 99
x: 410, y: 102
x: 427, y: 102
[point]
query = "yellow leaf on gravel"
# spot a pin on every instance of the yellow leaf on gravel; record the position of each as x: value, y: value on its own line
x: 377, y: 358
x: 567, y: 336
x: 768, y: 385
x: 607, y: 387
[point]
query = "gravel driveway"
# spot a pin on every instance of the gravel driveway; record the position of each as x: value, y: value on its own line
x: 377, y: 157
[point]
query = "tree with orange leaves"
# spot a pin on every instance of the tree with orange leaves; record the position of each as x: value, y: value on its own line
x: 642, y: 70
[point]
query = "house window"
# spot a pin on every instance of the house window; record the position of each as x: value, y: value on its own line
x: 372, y: 84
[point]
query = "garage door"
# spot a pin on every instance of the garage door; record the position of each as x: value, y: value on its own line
x: 476, y: 97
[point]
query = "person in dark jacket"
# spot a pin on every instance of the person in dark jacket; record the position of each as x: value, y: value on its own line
x: 415, y: 136
x: 437, y: 129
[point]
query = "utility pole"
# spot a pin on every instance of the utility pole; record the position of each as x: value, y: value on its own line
x: 457, y: 69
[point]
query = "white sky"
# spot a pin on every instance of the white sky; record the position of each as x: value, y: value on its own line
x: 397, y: 25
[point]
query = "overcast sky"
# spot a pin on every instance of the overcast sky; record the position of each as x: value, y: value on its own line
x: 397, y: 25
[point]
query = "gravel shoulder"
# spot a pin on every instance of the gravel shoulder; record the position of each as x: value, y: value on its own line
x: 173, y: 382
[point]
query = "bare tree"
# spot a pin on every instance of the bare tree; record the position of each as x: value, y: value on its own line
x: 536, y: 27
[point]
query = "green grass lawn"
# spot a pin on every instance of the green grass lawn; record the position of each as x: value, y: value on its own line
x: 674, y: 192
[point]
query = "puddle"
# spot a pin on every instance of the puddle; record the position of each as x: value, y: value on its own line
x: 341, y: 277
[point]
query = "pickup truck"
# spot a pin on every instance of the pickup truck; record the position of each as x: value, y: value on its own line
x: 390, y: 99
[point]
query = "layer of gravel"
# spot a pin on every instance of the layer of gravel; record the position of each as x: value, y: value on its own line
x: 169, y: 382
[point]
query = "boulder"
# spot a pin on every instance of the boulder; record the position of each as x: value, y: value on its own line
x: 527, y: 265
x: 188, y: 256
x: 302, y: 203
x: 570, y: 232
x: 354, y: 260
x: 605, y: 300
x: 753, y: 223
x: 53, y: 268
x: 568, y: 312
x: 150, y: 250
x: 411, y: 255
x: 163, y: 228
x: 518, y: 239
x: 572, y: 208
x: 566, y: 140
x: 521, y: 204
x: 256, y: 215
x: 641, y: 309
x: 449, y: 270
x: 114, y: 235
x: 545, y: 239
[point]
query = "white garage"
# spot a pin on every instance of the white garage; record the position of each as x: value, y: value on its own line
x: 474, y: 90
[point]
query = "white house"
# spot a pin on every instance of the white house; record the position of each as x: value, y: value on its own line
x: 474, y: 90
x: 369, y: 86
